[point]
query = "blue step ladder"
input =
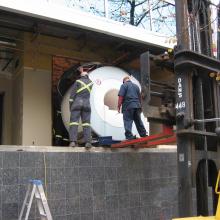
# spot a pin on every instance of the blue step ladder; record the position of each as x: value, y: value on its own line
x: 35, y: 190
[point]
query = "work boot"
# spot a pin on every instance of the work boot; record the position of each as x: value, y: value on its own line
x: 132, y: 137
x: 88, y: 145
x: 144, y: 135
x: 72, y: 144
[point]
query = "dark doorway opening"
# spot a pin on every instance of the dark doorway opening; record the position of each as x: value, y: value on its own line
x: 1, y: 115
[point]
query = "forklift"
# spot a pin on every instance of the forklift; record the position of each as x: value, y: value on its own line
x: 197, y: 108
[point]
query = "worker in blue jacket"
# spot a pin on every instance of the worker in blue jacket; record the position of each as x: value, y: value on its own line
x: 80, y: 107
x: 129, y: 97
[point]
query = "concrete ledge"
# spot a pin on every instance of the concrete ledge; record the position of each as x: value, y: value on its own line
x: 164, y: 149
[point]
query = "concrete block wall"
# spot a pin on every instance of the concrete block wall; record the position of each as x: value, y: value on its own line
x: 92, y: 185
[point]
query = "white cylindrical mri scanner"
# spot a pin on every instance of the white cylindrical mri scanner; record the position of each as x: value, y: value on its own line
x: 105, y: 119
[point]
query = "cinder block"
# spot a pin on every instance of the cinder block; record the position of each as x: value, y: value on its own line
x: 99, y: 203
x: 135, y: 213
x: 85, y: 159
x: 85, y: 174
x: 99, y: 215
x: 10, y: 211
x: 86, y: 189
x: 73, y: 205
x: 124, y: 214
x: 123, y: 201
x: 57, y: 175
x: 71, y: 159
x: 57, y: 207
x: 150, y: 213
x: 111, y: 188
x: 122, y: 172
x: 98, y: 173
x: 86, y: 204
x: 110, y: 173
x: 111, y: 202
x: 86, y: 216
x: 134, y: 200
x: 55, y: 160
x: 111, y: 215
x: 146, y: 198
x: 98, y: 188
x: 10, y: 160
x: 10, y: 194
x: 98, y: 160
x: 43, y: 174
x: 123, y: 186
x: 27, y: 159
x: 10, y: 176
x: 72, y: 175
x: 56, y: 191
x: 134, y: 185
x: 25, y: 174
x: 73, y: 217
x: 72, y: 190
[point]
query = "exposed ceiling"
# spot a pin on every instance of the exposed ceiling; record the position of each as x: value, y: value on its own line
x: 12, y: 25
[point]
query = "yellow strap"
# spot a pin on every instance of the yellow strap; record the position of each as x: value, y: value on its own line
x: 84, y: 86
x: 85, y: 124
x: 74, y: 123
x: 217, y: 183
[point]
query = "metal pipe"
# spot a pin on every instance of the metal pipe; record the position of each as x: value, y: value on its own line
x: 157, y: 94
x: 206, y: 120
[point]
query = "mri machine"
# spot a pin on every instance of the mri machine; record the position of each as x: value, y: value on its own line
x: 105, y: 119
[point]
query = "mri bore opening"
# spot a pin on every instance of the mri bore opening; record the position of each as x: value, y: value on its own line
x: 111, y: 99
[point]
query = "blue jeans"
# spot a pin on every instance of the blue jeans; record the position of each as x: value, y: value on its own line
x: 130, y: 115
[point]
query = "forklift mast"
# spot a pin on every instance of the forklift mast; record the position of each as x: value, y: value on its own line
x: 197, y: 99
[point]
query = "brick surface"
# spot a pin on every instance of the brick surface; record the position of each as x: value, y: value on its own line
x: 60, y: 65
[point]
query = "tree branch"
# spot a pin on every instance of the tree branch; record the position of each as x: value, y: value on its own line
x: 142, y: 17
x: 140, y: 3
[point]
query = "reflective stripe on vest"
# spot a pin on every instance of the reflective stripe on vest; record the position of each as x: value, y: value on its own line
x: 74, y: 123
x: 84, y: 86
x: 58, y: 136
x: 65, y: 139
x: 85, y: 124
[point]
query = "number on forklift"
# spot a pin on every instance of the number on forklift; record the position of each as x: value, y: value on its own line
x: 180, y: 105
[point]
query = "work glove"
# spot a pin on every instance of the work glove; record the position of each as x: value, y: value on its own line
x: 120, y: 100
